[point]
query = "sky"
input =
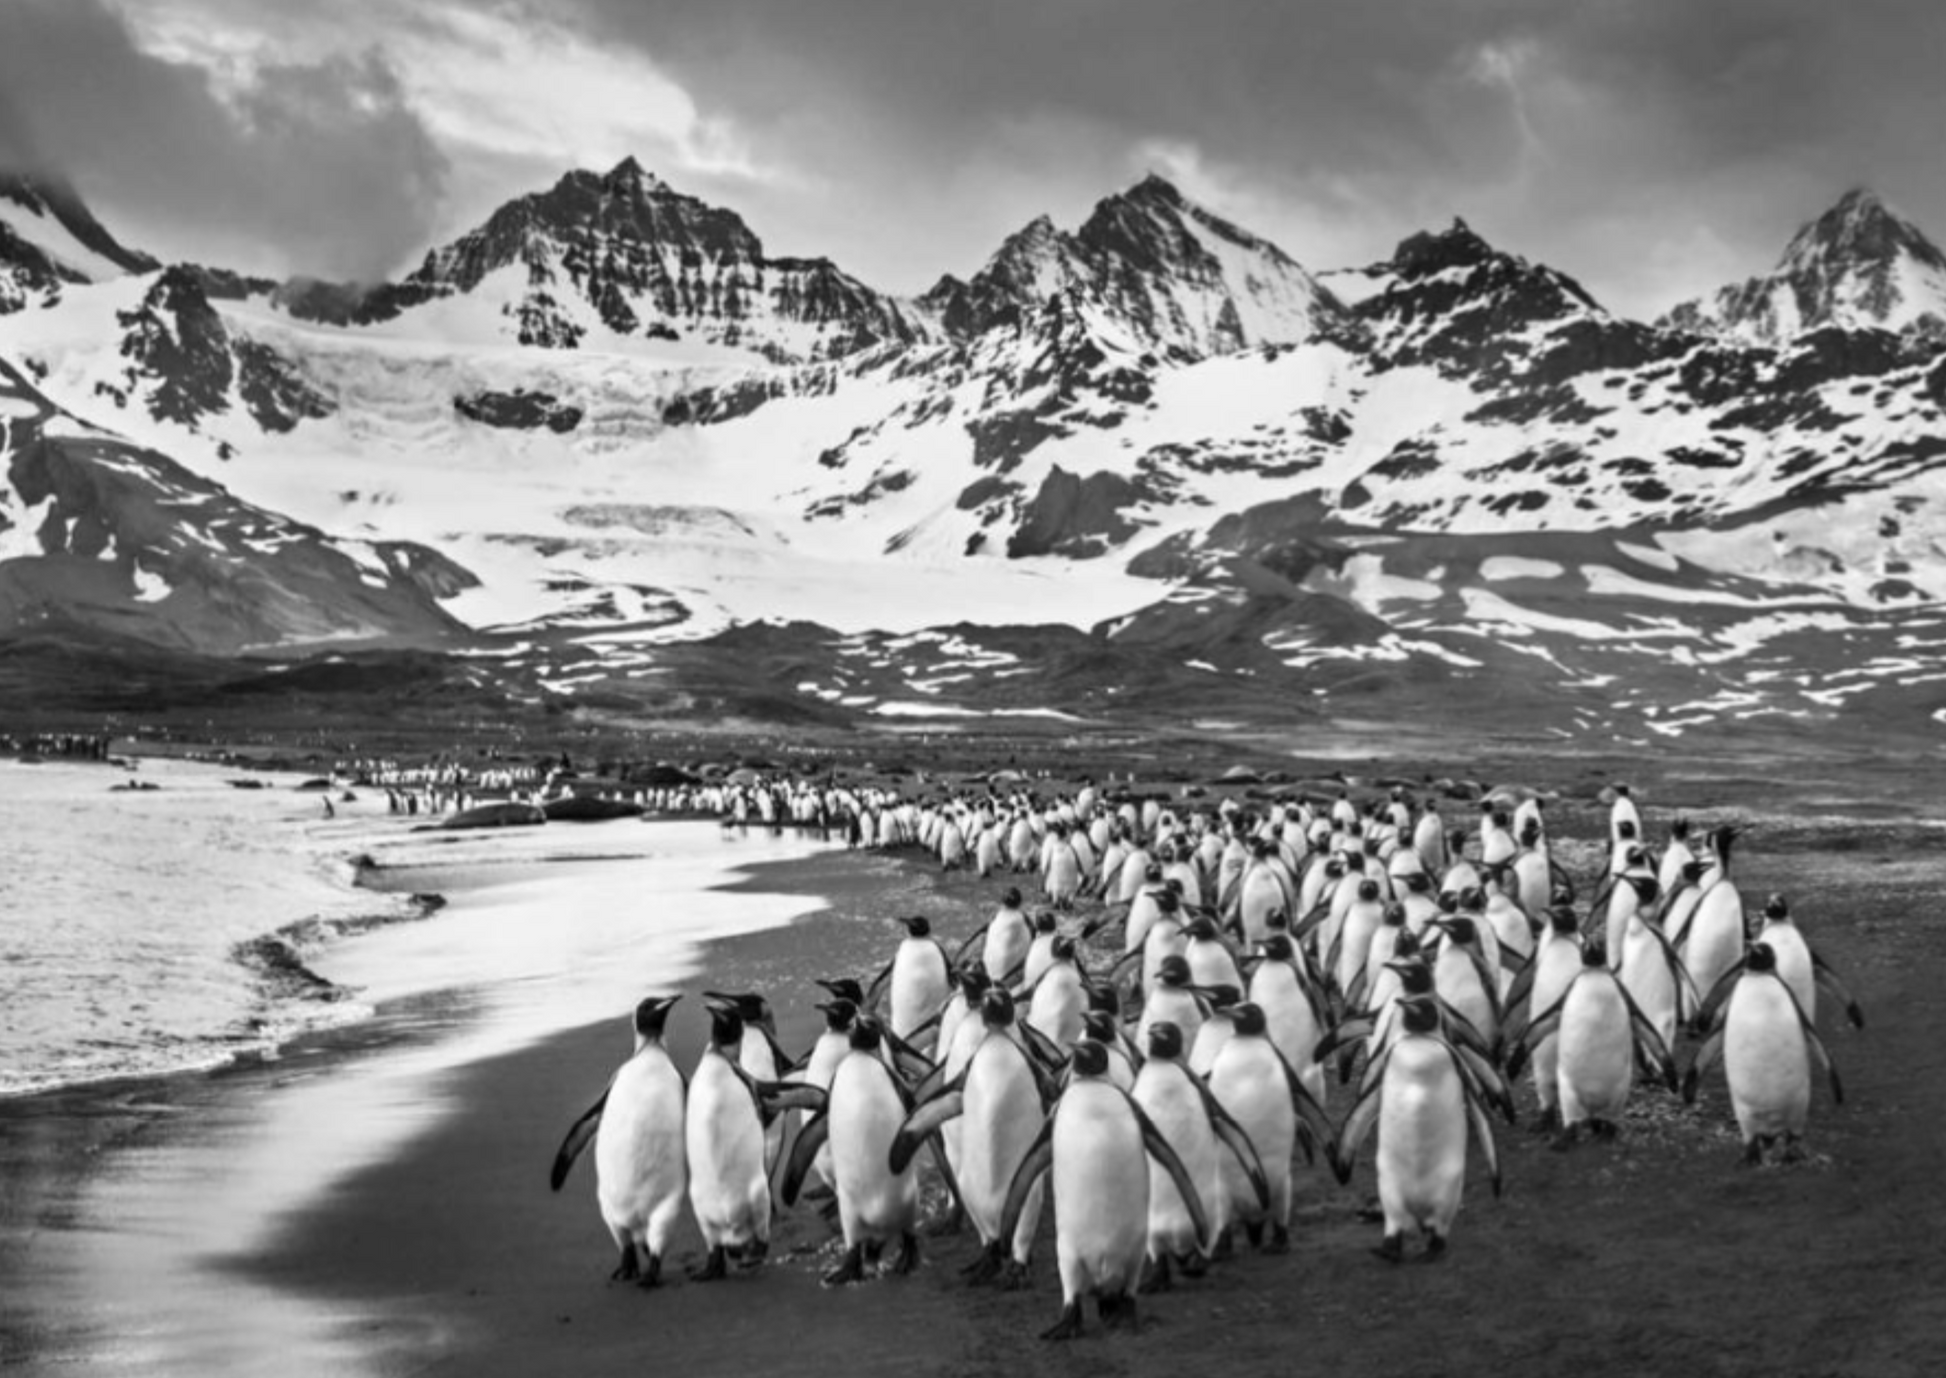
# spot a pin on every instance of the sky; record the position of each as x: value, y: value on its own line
x: 1653, y: 149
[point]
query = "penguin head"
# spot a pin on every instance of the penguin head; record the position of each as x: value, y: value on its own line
x: 1090, y: 1059
x: 1461, y: 930
x: 1277, y: 921
x: 1223, y: 997
x: 1594, y: 952
x: 918, y: 926
x: 1777, y: 909
x: 1407, y: 944
x: 750, y: 1006
x: 1418, y: 882
x: 1531, y: 833
x: 1393, y: 915
x: 1561, y: 919
x: 1473, y: 900
x: 866, y: 1035
x: 1277, y: 947
x: 1368, y: 890
x: 973, y: 982
x: 997, y: 1008
x: 1248, y: 1018
x: 1760, y: 957
x: 1449, y: 901
x: 1420, y: 1013
x: 1168, y: 902
x: 838, y: 1014
x: 1153, y: 875
x: 1200, y: 930
x: 725, y: 1026
x: 843, y: 988
x: 1012, y: 898
x: 1622, y: 791
x: 1165, y: 1039
x: 1105, y: 998
x: 1099, y: 1025
x: 1173, y: 971
x: 1679, y: 829
x: 653, y: 1013
x: 1692, y: 871
x: 1415, y: 976
x: 1063, y: 949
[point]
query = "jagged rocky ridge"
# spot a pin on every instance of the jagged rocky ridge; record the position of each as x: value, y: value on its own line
x: 1450, y: 473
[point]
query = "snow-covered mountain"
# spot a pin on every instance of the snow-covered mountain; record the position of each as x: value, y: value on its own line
x: 1151, y: 463
x: 48, y: 238
x: 1859, y: 266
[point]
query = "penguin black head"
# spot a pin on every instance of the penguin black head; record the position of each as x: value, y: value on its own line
x: 1153, y: 875
x: 1173, y: 970
x: 1106, y: 998
x: 1776, y: 908
x: 1594, y: 953
x: 653, y: 1013
x: 1418, y: 882
x: 1368, y: 890
x: 1625, y: 830
x: 1415, y: 977
x: 1407, y: 944
x: 838, y: 1014
x: 997, y: 1008
x: 1165, y: 1039
x: 973, y: 982
x: 1277, y: 921
x: 1622, y: 790
x: 1394, y: 915
x: 1761, y: 957
x: 1462, y: 931
x: 1063, y: 949
x: 725, y: 1026
x: 1355, y: 861
x: 1679, y: 829
x: 1202, y: 930
x: 844, y: 988
x: 866, y: 1035
x: 1449, y: 901
x: 1561, y: 919
x: 1168, y: 902
x: 1277, y: 947
x: 1222, y: 997
x: 1692, y: 871
x: 1249, y: 1020
x: 1530, y: 834
x: 1473, y: 899
x: 1044, y: 922
x: 919, y: 926
x: 1090, y: 1058
x: 1635, y: 856
x: 1099, y: 1026
x: 1420, y: 1014
x: 1012, y: 898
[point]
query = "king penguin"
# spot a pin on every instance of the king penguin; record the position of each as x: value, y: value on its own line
x: 640, y: 1168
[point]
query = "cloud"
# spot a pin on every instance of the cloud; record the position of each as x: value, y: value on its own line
x: 319, y: 166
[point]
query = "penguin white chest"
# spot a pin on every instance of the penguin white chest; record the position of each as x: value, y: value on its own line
x: 1765, y: 1059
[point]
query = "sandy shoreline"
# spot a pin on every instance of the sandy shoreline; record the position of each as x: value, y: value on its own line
x: 448, y: 1254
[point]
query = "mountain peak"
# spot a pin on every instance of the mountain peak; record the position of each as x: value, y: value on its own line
x: 629, y: 174
x: 1433, y: 251
x: 1858, y: 266
x: 1156, y: 188
x: 48, y: 236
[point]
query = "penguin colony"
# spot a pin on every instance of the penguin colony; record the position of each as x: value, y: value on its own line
x: 1269, y: 962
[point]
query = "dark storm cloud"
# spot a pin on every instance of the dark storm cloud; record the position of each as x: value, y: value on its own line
x: 316, y: 167
x: 1651, y: 147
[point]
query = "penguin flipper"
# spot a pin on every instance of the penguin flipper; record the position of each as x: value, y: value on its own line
x: 1711, y: 1050
x: 1352, y: 1029
x: 1521, y: 1042
x: 1037, y: 1160
x: 1359, y: 1123
x: 1484, y: 1083
x: 1522, y: 987
x: 1159, y: 1149
x: 877, y: 986
x: 923, y: 1123
x: 1718, y: 993
x: 946, y: 1173
x: 1562, y: 880
x: 1649, y: 1040
x: 1237, y: 1139
x: 977, y: 935
x: 1468, y: 1032
x: 911, y: 1062
x: 804, y: 1151
x: 1825, y: 976
x: 1313, y: 1126
x: 1816, y: 1048
x: 778, y: 1096
x: 1483, y: 1131
x: 579, y: 1135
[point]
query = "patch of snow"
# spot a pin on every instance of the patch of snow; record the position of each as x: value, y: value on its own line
x: 1497, y: 568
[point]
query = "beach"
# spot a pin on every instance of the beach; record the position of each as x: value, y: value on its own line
x: 444, y: 1252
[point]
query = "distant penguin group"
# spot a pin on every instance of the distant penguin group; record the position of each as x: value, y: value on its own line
x: 1155, y: 1071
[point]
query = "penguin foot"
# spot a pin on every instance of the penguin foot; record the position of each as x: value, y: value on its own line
x: 1280, y: 1240
x: 1118, y: 1313
x: 821, y: 1192
x: 753, y: 1254
x: 1435, y: 1247
x: 715, y: 1267
x: 651, y: 1275
x: 1605, y: 1130
x: 1547, y: 1120
x: 1391, y: 1248
x: 1015, y: 1276
x: 1158, y: 1279
x: 1372, y: 1213
x: 986, y: 1266
x: 1253, y: 1231
x: 1564, y: 1140
x: 907, y: 1258
x: 628, y: 1269
x: 1068, y: 1326
x: 949, y: 1224
x: 1193, y: 1265
x: 1225, y: 1245
x: 1753, y: 1151
x: 1794, y: 1149
x: 850, y: 1271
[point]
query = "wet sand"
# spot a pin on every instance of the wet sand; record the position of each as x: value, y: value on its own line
x: 1656, y: 1254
